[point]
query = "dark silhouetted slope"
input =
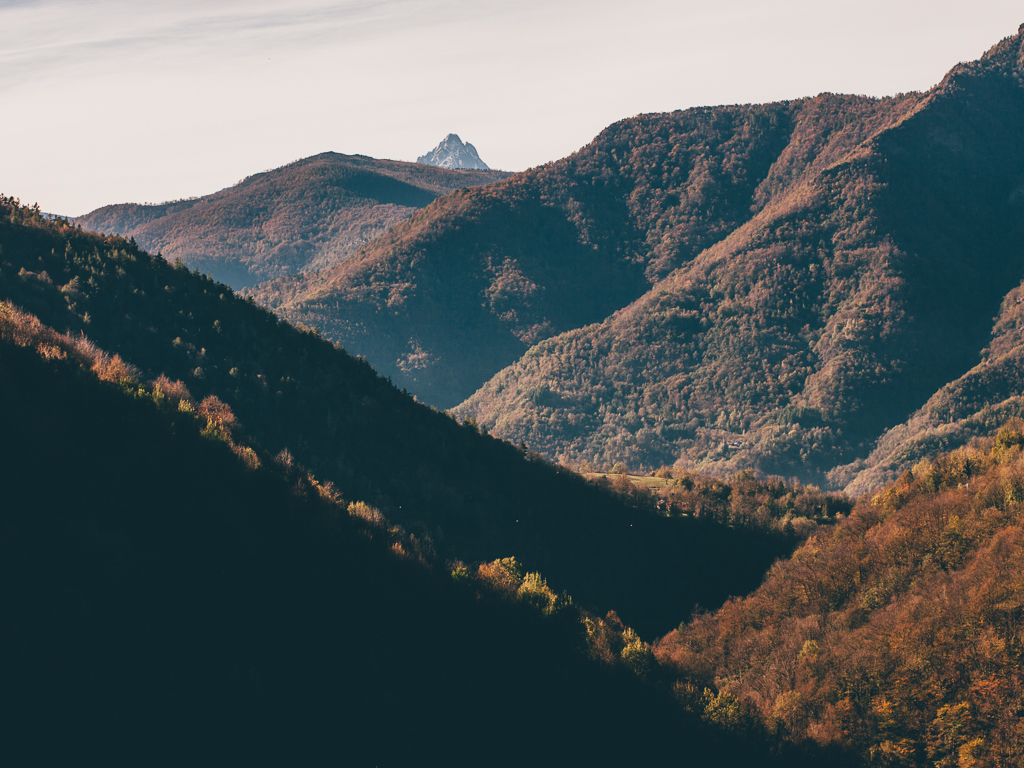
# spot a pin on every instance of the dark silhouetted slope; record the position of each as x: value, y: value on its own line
x: 478, y: 498
x: 304, y: 216
x: 165, y: 603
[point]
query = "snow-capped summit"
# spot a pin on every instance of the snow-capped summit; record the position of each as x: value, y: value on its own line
x: 453, y: 153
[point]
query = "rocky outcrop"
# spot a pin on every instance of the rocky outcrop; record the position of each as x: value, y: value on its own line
x: 453, y: 153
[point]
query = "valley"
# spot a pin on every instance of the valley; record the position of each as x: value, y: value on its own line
x: 766, y: 287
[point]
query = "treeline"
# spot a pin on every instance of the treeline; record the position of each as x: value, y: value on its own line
x: 742, y: 499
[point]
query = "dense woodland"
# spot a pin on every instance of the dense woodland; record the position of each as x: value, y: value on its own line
x: 803, y: 288
x: 896, y: 632
x: 466, y: 286
x: 867, y: 282
x: 474, y: 497
x: 743, y: 499
x: 766, y: 287
x: 163, y: 569
x: 302, y: 217
x: 173, y: 595
x: 976, y: 404
x: 163, y: 572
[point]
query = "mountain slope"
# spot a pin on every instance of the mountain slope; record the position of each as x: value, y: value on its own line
x: 304, y: 216
x: 476, y: 497
x: 466, y: 286
x: 165, y: 602
x: 972, y: 405
x: 896, y: 633
x: 863, y: 286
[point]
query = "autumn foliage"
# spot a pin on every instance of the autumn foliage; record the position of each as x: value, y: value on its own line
x: 302, y: 217
x: 877, y: 241
x: 897, y: 632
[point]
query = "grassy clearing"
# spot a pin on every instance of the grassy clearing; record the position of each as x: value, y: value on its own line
x: 640, y: 481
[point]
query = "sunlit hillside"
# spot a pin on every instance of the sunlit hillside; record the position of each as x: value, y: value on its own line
x: 303, y: 217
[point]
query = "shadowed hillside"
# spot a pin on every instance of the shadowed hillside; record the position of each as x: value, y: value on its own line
x: 972, y: 405
x: 304, y: 216
x: 476, y: 497
x: 166, y: 602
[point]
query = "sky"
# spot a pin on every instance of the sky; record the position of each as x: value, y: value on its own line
x: 111, y: 101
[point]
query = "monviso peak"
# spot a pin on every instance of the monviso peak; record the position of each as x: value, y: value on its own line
x: 453, y: 153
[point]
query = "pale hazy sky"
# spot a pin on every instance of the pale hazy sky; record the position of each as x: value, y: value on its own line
x: 106, y: 101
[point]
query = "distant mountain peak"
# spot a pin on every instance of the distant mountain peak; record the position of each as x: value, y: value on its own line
x: 453, y: 153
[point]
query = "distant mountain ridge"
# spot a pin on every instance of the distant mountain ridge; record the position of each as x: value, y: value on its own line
x: 769, y: 287
x: 465, y: 287
x: 453, y: 153
x: 304, y: 216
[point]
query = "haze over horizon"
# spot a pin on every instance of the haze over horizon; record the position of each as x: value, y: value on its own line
x: 113, y: 101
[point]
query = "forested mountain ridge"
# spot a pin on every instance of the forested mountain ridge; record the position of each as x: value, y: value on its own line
x: 169, y: 592
x: 467, y: 285
x: 850, y: 298
x: 476, y: 497
x: 303, y: 216
x: 972, y: 405
x: 161, y: 578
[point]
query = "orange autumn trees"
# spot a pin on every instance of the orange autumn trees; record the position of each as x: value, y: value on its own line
x: 898, y: 632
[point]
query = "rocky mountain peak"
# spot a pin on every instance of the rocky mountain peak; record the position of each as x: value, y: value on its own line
x: 453, y: 153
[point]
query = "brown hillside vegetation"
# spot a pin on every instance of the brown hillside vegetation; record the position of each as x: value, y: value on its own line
x: 466, y: 286
x: 897, y: 632
x: 888, y: 236
x: 973, y: 405
x: 742, y: 499
x: 304, y: 216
